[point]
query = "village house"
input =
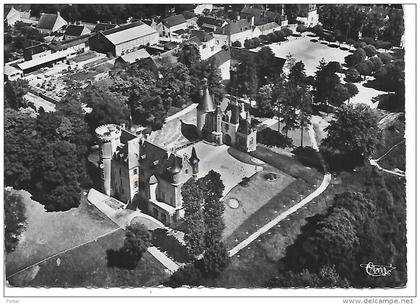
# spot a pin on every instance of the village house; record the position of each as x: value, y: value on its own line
x: 222, y: 61
x: 308, y: 15
x: 267, y: 28
x: 200, y: 8
x: 172, y: 27
x: 236, y: 30
x: 124, y: 39
x: 263, y: 16
x: 12, y: 73
x: 211, y: 23
x: 100, y: 27
x: 50, y: 23
x: 75, y: 31
x: 130, y: 58
x: 206, y: 43
x: 15, y: 15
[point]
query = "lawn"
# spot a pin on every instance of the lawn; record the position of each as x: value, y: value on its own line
x: 48, y: 233
x: 295, y: 135
x: 257, y: 193
x: 257, y: 263
x: 86, y: 266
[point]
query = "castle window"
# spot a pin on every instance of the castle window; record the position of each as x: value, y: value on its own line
x: 136, y: 184
x: 156, y: 162
x: 135, y: 171
x: 186, y: 170
x: 226, y: 127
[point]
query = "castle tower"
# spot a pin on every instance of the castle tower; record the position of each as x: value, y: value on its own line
x: 194, y: 161
x: 205, y: 108
x: 217, y: 133
x: 109, y: 139
x: 234, y: 119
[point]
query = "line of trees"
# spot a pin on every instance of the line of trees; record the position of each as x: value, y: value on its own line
x: 204, y: 225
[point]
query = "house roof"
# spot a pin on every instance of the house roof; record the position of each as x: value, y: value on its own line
x: 74, y: 30
x: 128, y: 32
x: 103, y: 27
x: 209, y: 20
x: 259, y: 12
x: 235, y: 27
x: 206, y: 104
x: 9, y: 70
x: 47, y: 21
x: 38, y: 48
x: 173, y: 20
x: 62, y: 45
x: 203, y: 36
x: 180, y: 31
x: 268, y: 26
x: 133, y: 56
x: 220, y: 57
x: 42, y: 60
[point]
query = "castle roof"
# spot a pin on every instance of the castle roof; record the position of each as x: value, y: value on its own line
x: 206, y: 103
x: 194, y: 159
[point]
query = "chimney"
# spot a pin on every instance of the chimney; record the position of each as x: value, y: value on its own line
x: 252, y: 20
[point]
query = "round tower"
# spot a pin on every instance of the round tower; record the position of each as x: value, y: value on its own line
x: 205, y: 107
x: 217, y: 133
x: 109, y: 139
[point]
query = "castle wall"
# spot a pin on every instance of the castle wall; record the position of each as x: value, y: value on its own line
x: 229, y: 129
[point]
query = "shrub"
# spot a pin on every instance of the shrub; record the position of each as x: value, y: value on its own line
x: 318, y: 30
x: 334, y: 66
x: 264, y: 38
x: 376, y: 63
x: 350, y: 41
x: 272, y: 37
x: 272, y: 138
x: 237, y: 44
x: 286, y: 32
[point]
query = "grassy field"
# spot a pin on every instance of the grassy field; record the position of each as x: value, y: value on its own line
x: 48, y: 233
x: 255, y: 195
x: 257, y: 263
x: 86, y: 266
x: 306, y: 180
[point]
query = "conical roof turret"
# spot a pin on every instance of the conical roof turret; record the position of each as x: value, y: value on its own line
x: 206, y: 103
x: 194, y: 159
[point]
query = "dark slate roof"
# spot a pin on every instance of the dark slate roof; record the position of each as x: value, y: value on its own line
x: 173, y: 20
x: 220, y: 57
x: 235, y: 27
x: 103, y: 27
x: 210, y: 21
x: 47, y: 21
x: 65, y: 44
x: 206, y: 104
x: 74, y: 30
x: 188, y: 14
x: 180, y: 31
x: 259, y: 12
x: 201, y: 35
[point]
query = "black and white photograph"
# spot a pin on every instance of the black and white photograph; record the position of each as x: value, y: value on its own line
x: 217, y: 149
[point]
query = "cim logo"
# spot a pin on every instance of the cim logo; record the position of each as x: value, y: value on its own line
x: 377, y: 270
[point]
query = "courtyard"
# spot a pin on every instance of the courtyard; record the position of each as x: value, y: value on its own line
x: 219, y: 159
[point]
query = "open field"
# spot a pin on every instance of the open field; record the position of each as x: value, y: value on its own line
x: 86, y: 266
x: 48, y: 233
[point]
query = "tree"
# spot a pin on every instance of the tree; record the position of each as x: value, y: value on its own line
x: 14, y: 92
x: 193, y: 202
x: 301, y: 28
x: 237, y: 44
x: 150, y: 111
x: 351, y: 89
x: 385, y: 57
x: 376, y: 63
x: 264, y: 64
x: 264, y: 101
x: 206, y: 69
x: 370, y: 50
x: 245, y: 80
x: 189, y: 54
x: 215, y: 259
x: 188, y: 275
x: 55, y: 177
x: 325, y: 81
x: 352, y: 75
x: 394, y: 27
x: 212, y: 187
x: 175, y: 84
x: 291, y: 11
x: 14, y: 219
x: 365, y: 68
x: 297, y: 75
x: 290, y: 61
x: 107, y: 108
x: 339, y: 95
x: 354, y: 130
x: 137, y: 240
